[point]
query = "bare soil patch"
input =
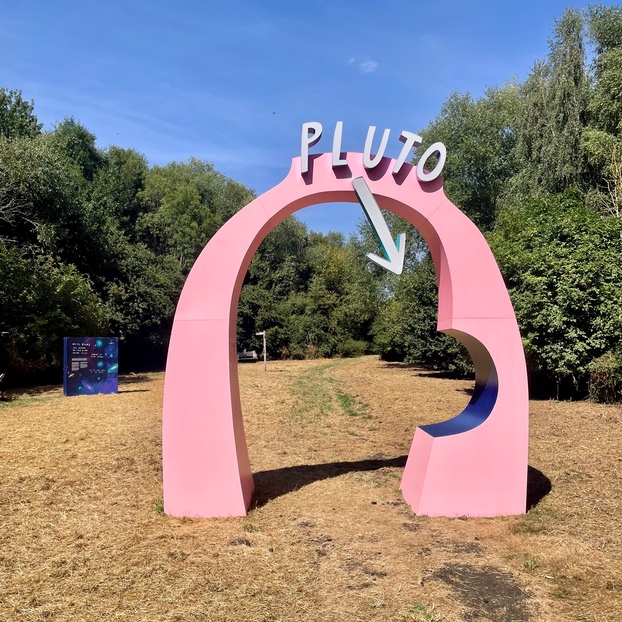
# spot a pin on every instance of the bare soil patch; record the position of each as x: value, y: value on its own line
x: 83, y: 537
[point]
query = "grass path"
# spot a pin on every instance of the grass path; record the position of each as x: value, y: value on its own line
x: 82, y: 535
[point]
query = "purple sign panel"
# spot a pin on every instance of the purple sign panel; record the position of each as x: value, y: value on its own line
x: 91, y: 365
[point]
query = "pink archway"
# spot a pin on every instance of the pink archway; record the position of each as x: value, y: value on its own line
x: 474, y: 464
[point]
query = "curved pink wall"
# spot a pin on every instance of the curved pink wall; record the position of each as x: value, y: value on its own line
x: 475, y: 464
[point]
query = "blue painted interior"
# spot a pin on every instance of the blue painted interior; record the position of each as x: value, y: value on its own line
x: 477, y: 411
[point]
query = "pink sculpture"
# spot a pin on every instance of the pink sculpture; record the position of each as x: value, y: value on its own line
x: 474, y: 464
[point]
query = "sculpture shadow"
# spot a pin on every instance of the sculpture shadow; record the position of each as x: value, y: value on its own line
x: 275, y: 483
x: 538, y: 486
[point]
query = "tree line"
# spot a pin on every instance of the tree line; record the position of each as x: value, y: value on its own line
x: 538, y: 166
x: 95, y: 241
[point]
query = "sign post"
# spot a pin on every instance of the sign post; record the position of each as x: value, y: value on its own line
x: 265, y: 365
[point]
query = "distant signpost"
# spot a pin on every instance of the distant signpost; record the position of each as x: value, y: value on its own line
x: 91, y: 365
x: 263, y: 333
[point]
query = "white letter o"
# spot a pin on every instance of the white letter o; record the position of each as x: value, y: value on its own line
x: 440, y: 151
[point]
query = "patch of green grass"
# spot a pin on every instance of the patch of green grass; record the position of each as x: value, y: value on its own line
x: 369, y: 479
x: 352, y: 406
x: 313, y: 391
x: 317, y: 394
x: 16, y: 402
x: 536, y: 520
x: 159, y: 506
x: 420, y: 612
x: 347, y: 403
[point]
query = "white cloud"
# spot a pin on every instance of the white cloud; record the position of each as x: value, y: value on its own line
x: 365, y: 65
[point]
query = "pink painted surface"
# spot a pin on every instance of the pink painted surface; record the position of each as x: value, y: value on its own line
x: 474, y: 464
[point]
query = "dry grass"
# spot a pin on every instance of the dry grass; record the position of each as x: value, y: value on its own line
x: 329, y: 538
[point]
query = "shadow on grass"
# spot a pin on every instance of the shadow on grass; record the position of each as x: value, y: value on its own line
x: 13, y: 394
x: 132, y: 379
x: 538, y: 486
x: 467, y: 391
x: 278, y: 482
x: 275, y: 483
x: 421, y: 371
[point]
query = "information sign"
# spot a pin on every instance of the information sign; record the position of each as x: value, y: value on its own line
x: 91, y: 365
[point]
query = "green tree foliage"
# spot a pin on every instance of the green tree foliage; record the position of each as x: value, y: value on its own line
x: 41, y: 301
x: 561, y: 263
x: 310, y: 292
x: 108, y: 231
x: 602, y: 137
x: 17, y: 119
x: 405, y: 327
x: 140, y: 302
x: 74, y: 141
x: 552, y: 114
x: 605, y: 379
x: 605, y: 28
x: 480, y: 137
x: 342, y: 290
x: 116, y: 188
x: 183, y: 205
x: 42, y: 190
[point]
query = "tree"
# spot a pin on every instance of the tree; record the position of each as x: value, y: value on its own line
x: 562, y: 264
x: 117, y: 186
x: 480, y: 137
x: 405, y: 328
x: 602, y: 138
x: 74, y: 141
x: 552, y: 116
x: 605, y: 27
x: 44, y: 192
x: 17, y: 119
x: 311, y: 292
x: 140, y: 303
x: 41, y: 301
x: 183, y: 205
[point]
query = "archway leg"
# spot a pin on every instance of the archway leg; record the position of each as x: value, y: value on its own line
x: 481, y: 471
x: 207, y: 468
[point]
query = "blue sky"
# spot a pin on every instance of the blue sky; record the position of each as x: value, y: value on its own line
x: 232, y: 81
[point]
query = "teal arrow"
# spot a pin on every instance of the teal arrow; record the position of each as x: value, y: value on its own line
x: 393, y: 251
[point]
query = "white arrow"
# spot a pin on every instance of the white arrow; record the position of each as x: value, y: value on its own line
x: 394, y: 252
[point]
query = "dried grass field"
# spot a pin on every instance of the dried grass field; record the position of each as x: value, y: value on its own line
x: 83, y: 536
